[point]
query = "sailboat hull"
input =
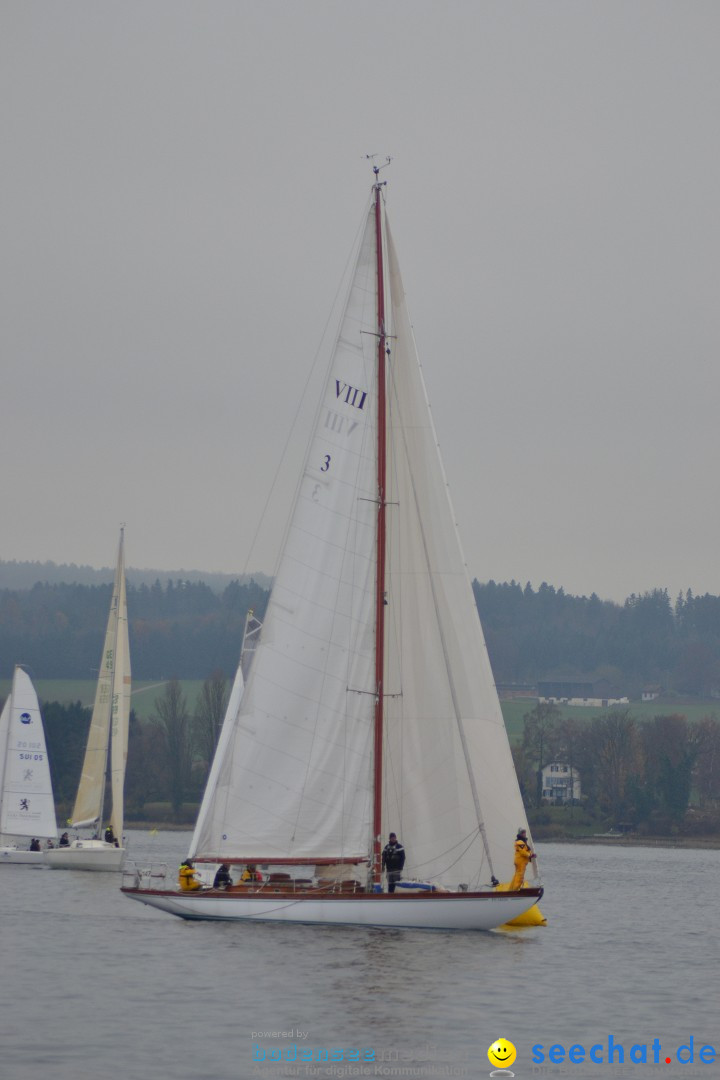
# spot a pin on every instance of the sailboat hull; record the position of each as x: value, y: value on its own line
x: 86, y: 855
x: 455, y: 911
x: 10, y: 856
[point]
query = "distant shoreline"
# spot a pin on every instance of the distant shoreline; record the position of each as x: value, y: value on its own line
x: 703, y: 842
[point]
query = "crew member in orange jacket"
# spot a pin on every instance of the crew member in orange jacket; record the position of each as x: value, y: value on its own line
x: 523, y: 855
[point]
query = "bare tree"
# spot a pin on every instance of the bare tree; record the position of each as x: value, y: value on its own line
x: 173, y: 719
x: 209, y: 714
x: 707, y: 766
x: 540, y: 738
x: 617, y: 750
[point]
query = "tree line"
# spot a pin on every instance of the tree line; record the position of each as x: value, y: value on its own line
x: 180, y: 628
x: 186, y: 629
x: 547, y: 633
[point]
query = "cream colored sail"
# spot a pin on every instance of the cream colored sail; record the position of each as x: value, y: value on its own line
x: 120, y: 719
x: 111, y: 701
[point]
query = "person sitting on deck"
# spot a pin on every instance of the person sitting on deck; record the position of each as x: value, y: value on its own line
x: 35, y: 845
x: 109, y: 835
x: 188, y: 878
x: 222, y: 878
x: 251, y: 873
x: 64, y: 840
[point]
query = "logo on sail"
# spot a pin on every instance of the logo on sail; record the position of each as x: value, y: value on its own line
x: 25, y: 718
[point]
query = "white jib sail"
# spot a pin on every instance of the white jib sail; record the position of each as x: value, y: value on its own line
x: 448, y: 773
x: 28, y: 808
x: 295, y: 782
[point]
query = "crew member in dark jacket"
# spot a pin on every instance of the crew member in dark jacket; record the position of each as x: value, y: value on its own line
x: 222, y: 878
x: 393, y: 860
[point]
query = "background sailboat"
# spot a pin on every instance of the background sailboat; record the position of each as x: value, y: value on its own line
x: 27, y: 808
x: 107, y: 744
x: 371, y: 705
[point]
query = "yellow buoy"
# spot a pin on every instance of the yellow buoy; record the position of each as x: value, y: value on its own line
x: 532, y: 917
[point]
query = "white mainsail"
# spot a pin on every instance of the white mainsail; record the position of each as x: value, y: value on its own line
x: 27, y: 807
x: 110, y: 713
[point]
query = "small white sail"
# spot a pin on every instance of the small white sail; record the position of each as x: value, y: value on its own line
x: 27, y: 807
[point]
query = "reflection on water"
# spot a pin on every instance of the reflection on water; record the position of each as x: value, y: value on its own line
x: 94, y: 984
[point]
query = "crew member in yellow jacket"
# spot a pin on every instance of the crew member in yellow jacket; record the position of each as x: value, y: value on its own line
x: 523, y: 855
x: 188, y: 877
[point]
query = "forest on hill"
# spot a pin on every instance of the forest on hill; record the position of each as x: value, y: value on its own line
x: 186, y: 629
x: 182, y: 628
x: 19, y: 574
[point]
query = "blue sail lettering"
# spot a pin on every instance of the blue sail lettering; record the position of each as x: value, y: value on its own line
x: 351, y: 395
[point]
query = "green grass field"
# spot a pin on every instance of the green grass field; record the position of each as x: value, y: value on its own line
x: 514, y: 711
x: 144, y: 695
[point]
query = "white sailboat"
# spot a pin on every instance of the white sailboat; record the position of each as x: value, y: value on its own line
x: 27, y: 809
x: 370, y: 707
x: 107, y: 743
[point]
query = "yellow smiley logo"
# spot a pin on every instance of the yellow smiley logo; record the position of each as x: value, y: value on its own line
x: 502, y: 1053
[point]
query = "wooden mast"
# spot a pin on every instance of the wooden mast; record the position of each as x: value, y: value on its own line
x: 380, y: 555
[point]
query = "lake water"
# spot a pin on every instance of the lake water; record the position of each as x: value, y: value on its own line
x: 94, y: 985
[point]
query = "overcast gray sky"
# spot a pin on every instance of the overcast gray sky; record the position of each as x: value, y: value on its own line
x: 182, y: 183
